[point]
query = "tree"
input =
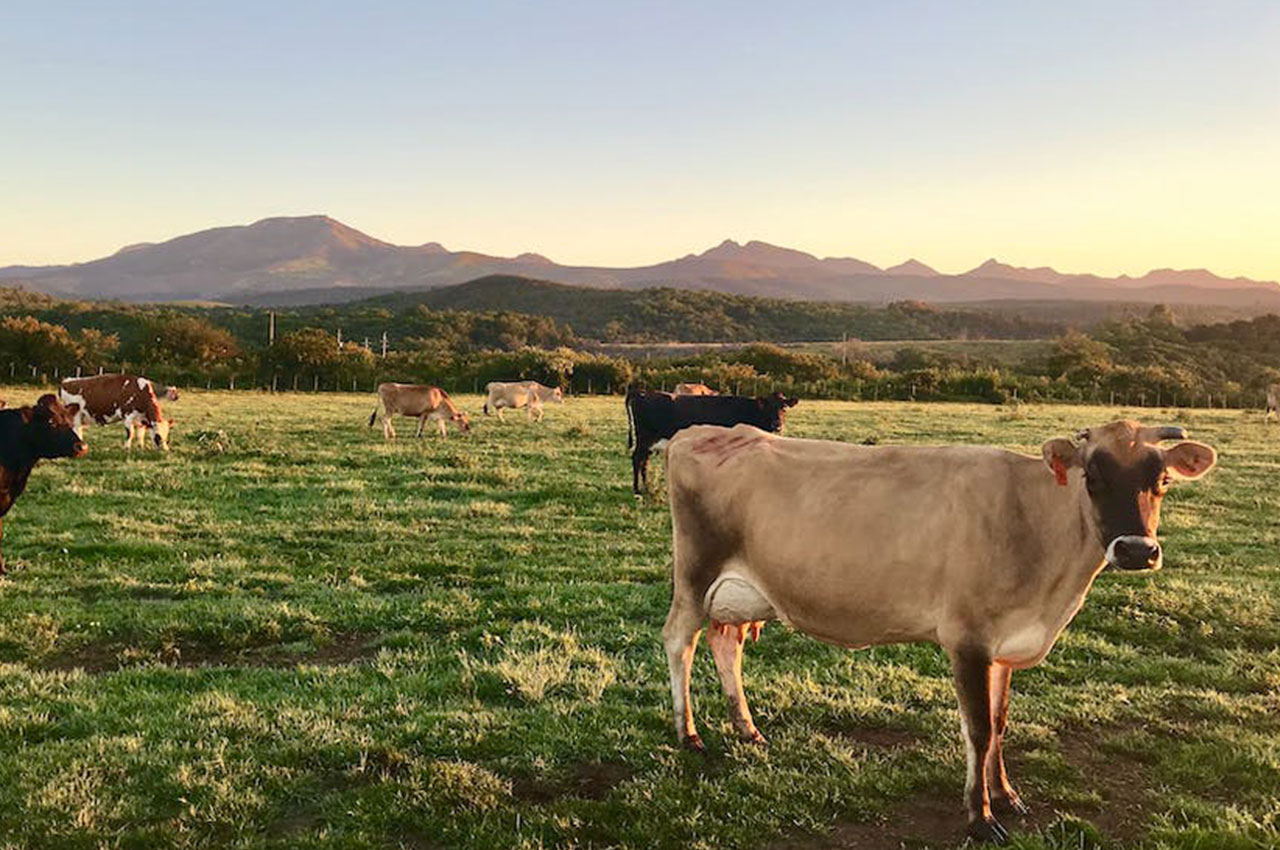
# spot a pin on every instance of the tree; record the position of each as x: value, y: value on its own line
x: 27, y: 341
x: 188, y: 341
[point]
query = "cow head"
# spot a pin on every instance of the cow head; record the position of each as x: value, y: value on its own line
x: 48, y: 432
x: 774, y: 407
x: 1126, y: 473
x: 557, y: 395
x: 160, y: 433
x: 460, y: 417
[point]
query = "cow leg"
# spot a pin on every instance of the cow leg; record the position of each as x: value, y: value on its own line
x: 726, y: 641
x: 972, y: 671
x: 501, y: 418
x: 680, y: 637
x: 422, y: 423
x: 4, y: 567
x: 639, y: 460
x: 444, y: 429
x: 388, y: 430
x: 997, y: 779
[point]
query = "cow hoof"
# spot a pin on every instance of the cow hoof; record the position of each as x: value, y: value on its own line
x: 754, y: 737
x: 1014, y: 804
x: 694, y: 744
x: 989, y: 831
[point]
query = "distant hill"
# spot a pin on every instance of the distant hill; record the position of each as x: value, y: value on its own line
x: 315, y: 259
x: 669, y: 314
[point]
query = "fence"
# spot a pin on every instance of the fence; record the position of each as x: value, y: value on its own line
x: 964, y: 387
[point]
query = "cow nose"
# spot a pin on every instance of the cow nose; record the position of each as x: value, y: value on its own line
x: 1134, y: 552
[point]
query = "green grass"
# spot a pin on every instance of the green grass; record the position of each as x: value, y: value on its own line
x: 288, y: 633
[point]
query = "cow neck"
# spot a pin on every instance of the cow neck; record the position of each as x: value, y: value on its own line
x: 1078, y: 571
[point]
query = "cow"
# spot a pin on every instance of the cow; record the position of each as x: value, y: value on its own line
x: 28, y: 435
x: 654, y: 417
x: 1273, y: 403
x: 530, y: 395
x: 694, y: 389
x: 420, y: 402
x: 167, y: 393
x: 103, y: 399
x: 986, y: 552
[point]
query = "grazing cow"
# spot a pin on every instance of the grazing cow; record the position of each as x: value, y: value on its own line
x: 655, y: 417
x: 103, y: 399
x: 530, y: 395
x: 28, y: 434
x: 166, y: 393
x: 694, y: 389
x: 420, y: 402
x: 986, y: 552
x: 1273, y: 403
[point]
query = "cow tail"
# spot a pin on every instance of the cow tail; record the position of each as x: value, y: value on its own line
x: 631, y: 425
x: 373, y: 416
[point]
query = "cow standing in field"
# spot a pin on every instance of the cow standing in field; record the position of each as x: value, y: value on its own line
x: 28, y: 435
x: 1273, y: 403
x: 104, y: 399
x: 655, y: 417
x: 420, y: 402
x: 986, y: 552
x: 530, y: 395
x: 694, y: 389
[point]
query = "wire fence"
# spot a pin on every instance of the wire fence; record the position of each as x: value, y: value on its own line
x: 889, y: 388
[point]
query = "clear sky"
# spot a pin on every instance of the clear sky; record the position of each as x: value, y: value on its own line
x: 1110, y: 136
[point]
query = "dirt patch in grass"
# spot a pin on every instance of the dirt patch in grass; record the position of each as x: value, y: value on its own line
x: 98, y: 658
x: 877, y: 737
x: 934, y: 818
x: 930, y: 819
x: 584, y: 781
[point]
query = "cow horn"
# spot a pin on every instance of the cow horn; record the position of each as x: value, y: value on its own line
x: 1161, y: 432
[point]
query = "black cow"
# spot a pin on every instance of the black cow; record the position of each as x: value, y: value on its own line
x: 28, y: 434
x: 653, y: 417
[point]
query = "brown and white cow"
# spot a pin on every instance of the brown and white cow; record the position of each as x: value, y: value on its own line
x: 986, y: 552
x: 104, y: 399
x: 420, y: 402
x: 694, y: 389
x: 530, y: 395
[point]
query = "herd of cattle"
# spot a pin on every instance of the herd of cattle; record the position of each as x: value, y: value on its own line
x: 986, y: 552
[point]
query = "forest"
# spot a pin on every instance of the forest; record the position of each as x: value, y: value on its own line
x: 1156, y: 358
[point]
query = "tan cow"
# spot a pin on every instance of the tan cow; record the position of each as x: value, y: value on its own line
x: 986, y: 552
x: 694, y: 389
x: 103, y: 399
x: 420, y: 402
x: 530, y: 395
x: 1273, y: 403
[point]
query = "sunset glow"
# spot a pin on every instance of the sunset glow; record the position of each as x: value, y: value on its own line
x: 1092, y: 137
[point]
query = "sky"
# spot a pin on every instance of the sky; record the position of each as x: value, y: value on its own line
x: 1108, y: 137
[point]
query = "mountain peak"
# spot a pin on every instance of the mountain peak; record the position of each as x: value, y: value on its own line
x: 995, y: 268
x: 913, y: 267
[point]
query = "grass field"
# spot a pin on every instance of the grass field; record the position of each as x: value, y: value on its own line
x: 288, y: 633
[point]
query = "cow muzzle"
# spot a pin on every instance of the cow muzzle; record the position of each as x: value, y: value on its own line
x: 1135, y: 552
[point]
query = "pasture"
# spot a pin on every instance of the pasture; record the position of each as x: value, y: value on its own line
x: 288, y: 633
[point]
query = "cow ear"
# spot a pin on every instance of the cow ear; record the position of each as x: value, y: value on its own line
x: 791, y: 402
x: 1189, y: 459
x: 1060, y: 454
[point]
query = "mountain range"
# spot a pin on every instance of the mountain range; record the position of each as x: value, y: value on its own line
x: 316, y: 259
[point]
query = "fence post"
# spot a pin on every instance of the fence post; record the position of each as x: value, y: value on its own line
x: 315, y: 385
x: 233, y: 382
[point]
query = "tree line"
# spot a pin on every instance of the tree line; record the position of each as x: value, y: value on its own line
x: 1151, y: 359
